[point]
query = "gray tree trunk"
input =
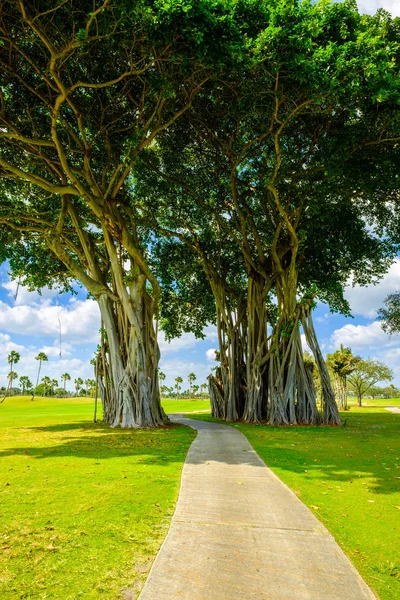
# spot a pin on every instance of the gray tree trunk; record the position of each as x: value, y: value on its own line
x: 330, y: 410
x: 129, y: 390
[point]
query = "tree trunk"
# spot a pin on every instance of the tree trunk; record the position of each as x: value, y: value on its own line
x: 130, y: 389
x: 228, y: 379
x: 255, y: 409
x: 292, y: 390
x: 217, y: 400
x: 330, y: 410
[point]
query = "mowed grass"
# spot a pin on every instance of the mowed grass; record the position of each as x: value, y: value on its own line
x: 350, y: 479
x: 378, y: 402
x: 83, y: 508
x: 185, y: 406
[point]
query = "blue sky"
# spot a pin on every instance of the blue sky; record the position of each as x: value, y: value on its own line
x: 30, y: 323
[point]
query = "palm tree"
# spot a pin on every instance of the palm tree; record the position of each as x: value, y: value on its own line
x: 65, y: 377
x: 46, y: 383
x: 88, y: 383
x: 92, y: 384
x: 203, y: 386
x: 12, y: 360
x: 53, y: 384
x: 178, y: 380
x: 25, y: 383
x: 191, y: 378
x: 161, y: 376
x: 41, y: 357
x: 11, y: 376
x: 342, y: 363
x: 195, y: 390
x: 78, y: 383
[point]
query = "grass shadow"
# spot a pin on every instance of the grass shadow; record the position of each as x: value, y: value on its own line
x: 368, y: 447
x: 98, y: 441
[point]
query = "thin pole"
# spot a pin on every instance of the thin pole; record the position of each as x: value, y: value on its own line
x: 95, y: 395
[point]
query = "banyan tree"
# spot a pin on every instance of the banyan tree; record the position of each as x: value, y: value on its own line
x: 233, y: 136
x: 268, y: 164
x: 84, y: 90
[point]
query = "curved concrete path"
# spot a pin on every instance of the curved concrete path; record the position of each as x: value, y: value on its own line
x: 393, y: 409
x: 238, y: 533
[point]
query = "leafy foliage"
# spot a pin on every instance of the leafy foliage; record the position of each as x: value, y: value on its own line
x: 390, y: 314
x: 366, y: 374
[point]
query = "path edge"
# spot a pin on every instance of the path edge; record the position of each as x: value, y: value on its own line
x: 179, y: 415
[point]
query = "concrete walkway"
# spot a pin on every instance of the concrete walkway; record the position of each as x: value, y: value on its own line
x: 239, y: 533
x: 393, y: 409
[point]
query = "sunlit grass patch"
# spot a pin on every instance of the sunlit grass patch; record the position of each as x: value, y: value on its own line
x: 83, y: 508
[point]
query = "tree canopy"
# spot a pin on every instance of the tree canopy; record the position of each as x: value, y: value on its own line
x: 366, y: 374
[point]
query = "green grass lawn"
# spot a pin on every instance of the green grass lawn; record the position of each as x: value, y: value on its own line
x: 379, y: 402
x: 350, y: 478
x: 83, y: 508
x: 185, y: 406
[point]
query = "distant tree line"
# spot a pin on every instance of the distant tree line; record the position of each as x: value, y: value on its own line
x: 47, y: 385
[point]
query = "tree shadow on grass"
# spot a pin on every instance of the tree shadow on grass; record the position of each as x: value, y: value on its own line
x: 367, y: 448
x: 97, y: 441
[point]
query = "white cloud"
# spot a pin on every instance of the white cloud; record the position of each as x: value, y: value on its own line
x: 79, y: 320
x: 21, y: 295
x: 211, y: 332
x: 181, y: 368
x: 367, y: 300
x: 210, y: 354
x: 186, y: 340
x: 56, y: 350
x: 322, y: 319
x: 364, y: 336
x: 392, y: 359
x: 371, y: 6
x: 370, y: 341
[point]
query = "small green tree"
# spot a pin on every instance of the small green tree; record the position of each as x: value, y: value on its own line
x: 12, y: 359
x: 65, y: 377
x: 195, y: 390
x: 92, y: 386
x: 342, y: 363
x: 78, y: 384
x: 12, y: 375
x: 53, y: 386
x: 392, y: 391
x: 41, y: 357
x: 25, y: 383
x: 366, y: 374
x: 46, y: 384
x: 178, y: 381
x: 191, y: 379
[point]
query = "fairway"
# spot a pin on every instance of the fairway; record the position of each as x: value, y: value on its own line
x: 350, y: 478
x: 83, y: 508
